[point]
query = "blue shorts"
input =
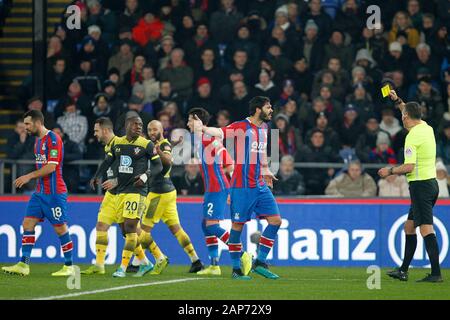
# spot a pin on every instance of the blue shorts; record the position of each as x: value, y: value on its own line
x: 245, y: 201
x: 214, y: 205
x: 50, y: 206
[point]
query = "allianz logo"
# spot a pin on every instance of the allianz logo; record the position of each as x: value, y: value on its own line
x: 396, y: 243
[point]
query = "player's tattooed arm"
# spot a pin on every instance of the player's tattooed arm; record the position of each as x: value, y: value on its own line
x: 42, y: 172
x: 165, y: 153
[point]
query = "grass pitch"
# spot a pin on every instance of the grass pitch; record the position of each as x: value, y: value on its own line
x: 175, y: 283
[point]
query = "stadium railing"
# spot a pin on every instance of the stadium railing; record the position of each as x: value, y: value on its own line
x: 15, y: 163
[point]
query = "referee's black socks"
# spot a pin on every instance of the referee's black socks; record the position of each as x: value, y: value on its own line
x: 433, y: 253
x: 410, y: 249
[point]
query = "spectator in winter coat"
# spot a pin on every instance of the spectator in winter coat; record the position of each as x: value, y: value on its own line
x: 352, y: 183
x: 74, y: 124
x: 393, y: 186
x: 179, y: 74
x: 290, y: 181
x: 442, y: 179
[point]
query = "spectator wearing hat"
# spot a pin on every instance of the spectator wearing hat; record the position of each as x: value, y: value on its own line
x: 425, y: 73
x: 312, y: 48
x: 321, y: 19
x: 208, y: 67
x: 102, y: 46
x: 395, y: 60
x: 374, y: 41
x: 383, y: 153
x: 431, y: 101
x: 123, y: 59
x: 224, y: 22
x: 135, y: 105
x: 350, y: 128
x: 117, y: 104
x: 302, y: 77
x: 58, y: 79
x: 289, y: 28
x: 348, y: 19
x: 442, y: 179
x: 266, y: 87
x: 337, y: 48
x: 367, y: 140
x: 289, y: 139
x: 393, y: 186
x: 149, y: 29
x: 440, y: 41
x: 389, y: 123
x: 203, y: 97
x: 73, y: 123
x: 352, y: 183
x: 72, y: 152
x: 121, y: 89
x: 364, y: 59
x: 179, y: 74
x: 290, y: 181
x: 331, y: 136
x: 135, y: 74
x: 262, y: 8
x: 289, y: 49
x: 104, y: 18
x: 89, y: 52
x: 257, y: 22
x: 130, y: 16
x: 88, y: 79
x: 402, y: 22
x: 362, y: 100
x: 443, y: 143
x: 315, y: 150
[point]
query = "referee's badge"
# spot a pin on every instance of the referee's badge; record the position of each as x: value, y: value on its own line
x: 408, y: 152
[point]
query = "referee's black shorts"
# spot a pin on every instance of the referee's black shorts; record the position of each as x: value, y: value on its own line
x: 423, y: 194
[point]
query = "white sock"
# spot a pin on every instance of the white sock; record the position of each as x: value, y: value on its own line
x: 136, y: 261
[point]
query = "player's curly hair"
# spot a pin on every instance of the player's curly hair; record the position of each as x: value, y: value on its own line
x: 201, y: 113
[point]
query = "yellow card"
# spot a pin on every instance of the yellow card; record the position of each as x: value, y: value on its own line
x: 385, y: 91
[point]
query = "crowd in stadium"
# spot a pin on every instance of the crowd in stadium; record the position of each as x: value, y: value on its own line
x: 319, y: 63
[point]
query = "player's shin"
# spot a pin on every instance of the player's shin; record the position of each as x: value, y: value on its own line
x: 266, y: 241
x: 28, y: 240
x: 147, y: 242
x: 235, y: 248
x: 67, y: 247
x: 186, y: 244
x: 101, y: 244
x: 128, y: 249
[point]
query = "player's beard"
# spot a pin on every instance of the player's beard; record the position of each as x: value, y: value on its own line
x: 266, y: 117
x: 156, y: 138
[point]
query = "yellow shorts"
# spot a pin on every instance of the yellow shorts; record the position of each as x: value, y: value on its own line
x: 130, y: 205
x: 108, y: 210
x: 161, y: 206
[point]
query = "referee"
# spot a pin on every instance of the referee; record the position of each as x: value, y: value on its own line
x: 420, y: 170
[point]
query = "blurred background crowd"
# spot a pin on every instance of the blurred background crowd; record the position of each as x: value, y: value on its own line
x: 317, y: 61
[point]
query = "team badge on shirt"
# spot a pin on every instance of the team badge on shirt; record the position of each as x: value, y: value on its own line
x: 53, y: 153
x: 137, y: 150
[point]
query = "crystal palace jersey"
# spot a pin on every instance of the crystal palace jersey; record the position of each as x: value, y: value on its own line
x: 213, y: 158
x: 47, y: 150
x: 250, y: 153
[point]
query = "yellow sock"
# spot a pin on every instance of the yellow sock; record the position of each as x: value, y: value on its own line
x: 186, y: 244
x: 147, y: 242
x: 128, y: 249
x: 101, y: 243
x: 139, y: 253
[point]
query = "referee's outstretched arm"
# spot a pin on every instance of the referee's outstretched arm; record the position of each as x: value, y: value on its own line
x: 404, y: 168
